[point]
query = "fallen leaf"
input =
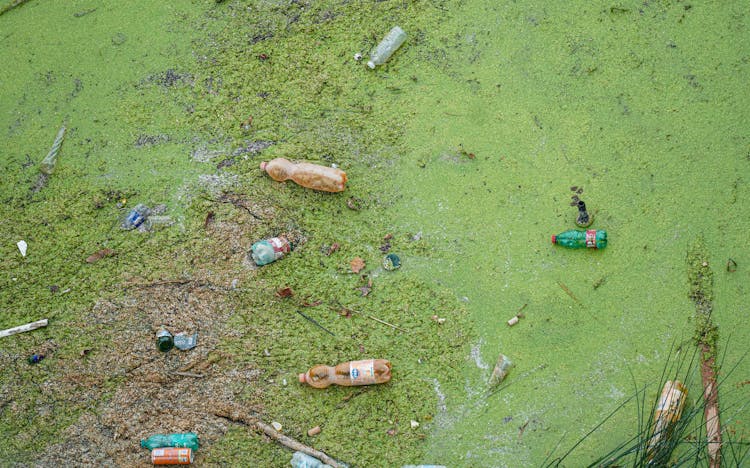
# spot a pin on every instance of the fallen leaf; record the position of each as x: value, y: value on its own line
x: 365, y: 290
x: 334, y: 247
x: 285, y: 292
x: 344, y: 312
x: 93, y: 258
x: 388, y: 237
x: 311, y: 304
x: 357, y: 264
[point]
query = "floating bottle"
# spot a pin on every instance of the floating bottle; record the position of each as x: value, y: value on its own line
x: 390, y: 43
x: 668, y: 412
x: 47, y: 165
x: 165, y: 342
x: 181, y: 439
x: 136, y: 217
x: 171, y: 456
x: 370, y: 371
x: 575, y: 239
x: 502, y: 367
x: 312, y: 176
x: 583, y: 219
x: 269, y: 250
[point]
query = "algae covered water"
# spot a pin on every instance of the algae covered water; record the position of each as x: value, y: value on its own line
x: 465, y: 153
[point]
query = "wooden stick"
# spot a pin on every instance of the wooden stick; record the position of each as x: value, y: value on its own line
x: 188, y: 374
x: 287, y: 441
x: 386, y: 323
x: 23, y: 328
x: 569, y: 293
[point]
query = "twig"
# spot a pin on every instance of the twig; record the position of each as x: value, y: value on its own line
x: 386, y: 323
x: 235, y: 203
x: 23, y: 328
x: 314, y: 322
x: 189, y: 374
x: 12, y: 5
x: 569, y: 293
x: 284, y: 440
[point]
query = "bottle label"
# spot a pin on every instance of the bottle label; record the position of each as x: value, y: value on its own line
x: 280, y: 247
x: 591, y: 238
x: 362, y: 372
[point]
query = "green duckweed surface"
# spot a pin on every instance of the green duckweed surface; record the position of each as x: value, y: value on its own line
x: 463, y: 148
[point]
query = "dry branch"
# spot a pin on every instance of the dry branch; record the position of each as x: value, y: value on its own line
x: 23, y: 328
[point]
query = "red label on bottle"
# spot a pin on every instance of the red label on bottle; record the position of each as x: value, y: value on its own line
x: 280, y: 247
x: 591, y: 238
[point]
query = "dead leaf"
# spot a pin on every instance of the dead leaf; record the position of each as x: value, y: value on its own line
x: 344, y: 312
x: 365, y: 290
x: 388, y: 237
x: 357, y: 264
x: 285, y: 292
x: 311, y: 304
x: 334, y: 247
x: 100, y: 255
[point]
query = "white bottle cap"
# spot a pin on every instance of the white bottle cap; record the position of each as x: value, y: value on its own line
x: 371, y: 64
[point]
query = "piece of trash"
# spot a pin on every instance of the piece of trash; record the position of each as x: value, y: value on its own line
x: 390, y: 43
x: 357, y: 264
x: 95, y: 257
x: 666, y: 416
x: 47, y: 166
x: 391, y: 262
x: 414, y: 424
x: 583, y: 219
x: 516, y: 317
x: 136, y: 217
x: 277, y: 426
x: 164, y: 340
x: 269, y: 250
x: 23, y: 328
x: 367, y: 372
x: 184, y: 342
x: 35, y: 358
x: 179, y: 439
x: 313, y: 431
x: 437, y: 319
x: 334, y: 247
x: 303, y: 460
x: 731, y: 266
x: 513, y: 321
x: 160, y: 222
x: 312, y: 176
x: 357, y: 56
x: 22, y: 246
x: 172, y: 456
x: 501, y: 369
x: 576, y: 239
x: 284, y: 292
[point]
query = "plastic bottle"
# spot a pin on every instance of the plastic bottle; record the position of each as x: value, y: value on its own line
x: 182, y: 439
x: 390, y: 43
x: 312, y: 176
x: 47, y: 165
x: 370, y: 371
x: 165, y: 342
x: 137, y: 216
x: 668, y: 412
x: 303, y: 460
x: 269, y: 250
x: 575, y: 239
x: 502, y: 367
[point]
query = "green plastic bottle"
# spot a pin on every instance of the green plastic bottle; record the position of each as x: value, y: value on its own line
x: 575, y: 239
x: 185, y: 439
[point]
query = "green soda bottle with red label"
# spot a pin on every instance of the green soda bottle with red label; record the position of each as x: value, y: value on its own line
x: 577, y: 239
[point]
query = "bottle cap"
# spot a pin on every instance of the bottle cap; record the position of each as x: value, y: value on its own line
x: 302, y: 378
x: 263, y: 165
x: 371, y: 64
x: 554, y: 238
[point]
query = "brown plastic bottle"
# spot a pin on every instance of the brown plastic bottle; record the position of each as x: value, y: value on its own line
x: 370, y: 371
x: 312, y: 176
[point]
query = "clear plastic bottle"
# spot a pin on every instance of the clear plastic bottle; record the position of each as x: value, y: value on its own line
x: 47, y: 165
x: 312, y: 176
x: 390, y: 43
x: 136, y: 217
x: 269, y: 250
x: 367, y: 372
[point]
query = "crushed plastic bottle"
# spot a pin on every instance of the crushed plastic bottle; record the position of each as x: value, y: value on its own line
x: 184, y: 341
x: 390, y: 43
x: 182, y: 439
x: 367, y: 372
x: 312, y: 176
x: 303, y: 460
x: 136, y: 217
x: 269, y: 250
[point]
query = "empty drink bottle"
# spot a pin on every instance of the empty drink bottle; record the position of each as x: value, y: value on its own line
x: 184, y: 439
x: 370, y: 371
x: 312, y: 176
x: 575, y: 239
x: 668, y: 412
x: 164, y: 340
x: 269, y: 250
x: 390, y: 43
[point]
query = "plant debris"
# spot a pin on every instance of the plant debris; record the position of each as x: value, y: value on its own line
x: 285, y: 292
x: 357, y: 264
x: 95, y: 257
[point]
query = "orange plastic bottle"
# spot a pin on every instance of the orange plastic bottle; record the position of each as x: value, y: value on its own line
x: 312, y: 176
x: 370, y: 371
